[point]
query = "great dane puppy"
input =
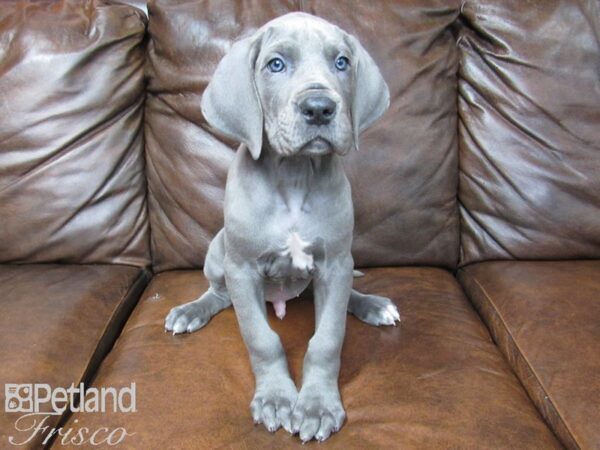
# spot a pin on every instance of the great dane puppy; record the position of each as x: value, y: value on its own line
x: 296, y: 94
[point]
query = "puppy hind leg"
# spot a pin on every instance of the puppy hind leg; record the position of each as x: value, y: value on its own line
x: 373, y: 309
x: 192, y: 316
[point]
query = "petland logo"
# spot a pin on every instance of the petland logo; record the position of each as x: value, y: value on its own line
x: 38, y: 402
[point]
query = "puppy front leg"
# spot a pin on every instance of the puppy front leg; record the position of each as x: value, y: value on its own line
x: 275, y: 393
x: 319, y: 410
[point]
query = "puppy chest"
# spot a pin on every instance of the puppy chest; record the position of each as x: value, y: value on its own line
x: 295, y: 259
x: 296, y: 251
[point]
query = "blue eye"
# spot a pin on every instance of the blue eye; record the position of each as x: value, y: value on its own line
x: 276, y: 65
x: 342, y: 63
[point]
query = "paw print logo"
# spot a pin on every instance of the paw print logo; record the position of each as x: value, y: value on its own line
x: 18, y: 397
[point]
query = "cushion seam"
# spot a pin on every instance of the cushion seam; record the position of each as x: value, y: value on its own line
x: 138, y: 283
x: 141, y: 277
x: 523, y: 358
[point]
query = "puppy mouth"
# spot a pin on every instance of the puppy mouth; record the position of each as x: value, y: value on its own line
x: 316, y: 147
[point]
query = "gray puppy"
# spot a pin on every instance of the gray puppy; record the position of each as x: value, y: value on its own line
x: 297, y: 94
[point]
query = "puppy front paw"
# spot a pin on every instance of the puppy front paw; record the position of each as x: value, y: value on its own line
x: 318, y: 412
x: 272, y: 404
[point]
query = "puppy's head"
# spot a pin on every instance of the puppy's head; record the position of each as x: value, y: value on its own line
x: 302, y: 82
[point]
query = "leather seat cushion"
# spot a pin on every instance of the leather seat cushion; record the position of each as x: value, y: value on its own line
x: 436, y: 381
x: 57, y: 322
x: 545, y: 316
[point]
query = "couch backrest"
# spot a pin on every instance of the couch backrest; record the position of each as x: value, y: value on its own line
x: 529, y: 130
x: 404, y: 179
x: 72, y: 186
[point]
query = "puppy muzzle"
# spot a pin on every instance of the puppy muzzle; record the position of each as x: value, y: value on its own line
x: 318, y: 109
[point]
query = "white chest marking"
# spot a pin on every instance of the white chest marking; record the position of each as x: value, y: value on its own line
x: 295, y: 249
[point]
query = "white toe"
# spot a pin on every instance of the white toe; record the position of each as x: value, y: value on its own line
x: 393, y: 311
x: 387, y: 318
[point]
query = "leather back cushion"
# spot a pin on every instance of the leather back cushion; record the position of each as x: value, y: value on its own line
x: 529, y: 130
x: 404, y: 178
x: 72, y: 185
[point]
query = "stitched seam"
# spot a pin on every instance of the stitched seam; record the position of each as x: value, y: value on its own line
x: 85, y: 375
x: 522, y: 357
x: 120, y: 306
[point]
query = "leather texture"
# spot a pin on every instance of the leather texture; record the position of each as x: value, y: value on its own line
x: 545, y: 317
x: 404, y: 177
x: 529, y: 108
x: 142, y: 5
x: 73, y: 119
x: 57, y: 322
x: 72, y: 184
x: 436, y: 382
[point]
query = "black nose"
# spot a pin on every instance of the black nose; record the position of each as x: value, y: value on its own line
x: 317, y: 110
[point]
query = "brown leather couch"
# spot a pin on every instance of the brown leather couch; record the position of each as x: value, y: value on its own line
x: 477, y: 202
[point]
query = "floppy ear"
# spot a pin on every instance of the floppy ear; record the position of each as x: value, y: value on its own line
x: 230, y: 102
x: 371, y: 93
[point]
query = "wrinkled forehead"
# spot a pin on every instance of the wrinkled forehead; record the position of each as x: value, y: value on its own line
x: 302, y: 32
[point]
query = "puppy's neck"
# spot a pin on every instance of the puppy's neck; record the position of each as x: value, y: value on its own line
x: 295, y: 177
